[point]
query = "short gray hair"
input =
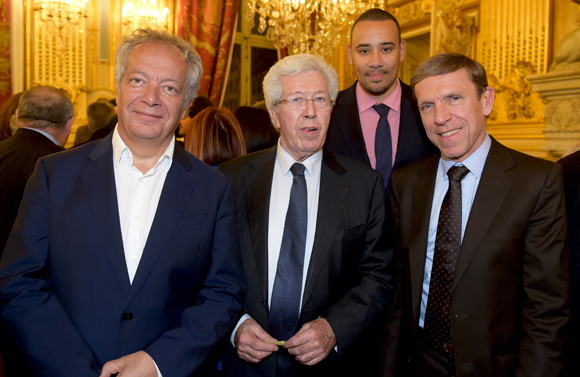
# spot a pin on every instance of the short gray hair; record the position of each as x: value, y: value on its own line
x: 44, y: 107
x: 292, y: 66
x: 141, y: 36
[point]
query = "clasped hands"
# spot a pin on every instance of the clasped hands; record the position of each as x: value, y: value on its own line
x: 310, y: 345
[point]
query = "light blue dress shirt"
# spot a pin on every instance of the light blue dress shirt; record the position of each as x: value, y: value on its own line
x: 469, y: 184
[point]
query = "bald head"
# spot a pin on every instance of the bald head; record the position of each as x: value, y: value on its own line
x: 45, y: 107
x: 48, y: 109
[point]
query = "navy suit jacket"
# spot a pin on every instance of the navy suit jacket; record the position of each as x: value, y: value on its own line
x: 64, y: 288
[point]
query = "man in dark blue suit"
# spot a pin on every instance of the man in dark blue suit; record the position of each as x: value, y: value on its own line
x: 125, y: 257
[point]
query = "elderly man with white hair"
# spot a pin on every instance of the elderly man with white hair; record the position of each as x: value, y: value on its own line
x: 316, y: 258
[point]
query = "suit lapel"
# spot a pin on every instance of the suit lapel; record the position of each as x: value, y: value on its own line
x: 330, y: 205
x: 408, y: 132
x: 99, y: 183
x: 491, y: 192
x: 176, y: 193
x: 423, y: 190
x: 259, y: 182
x: 349, y: 121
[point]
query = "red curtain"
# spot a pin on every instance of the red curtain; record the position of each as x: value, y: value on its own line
x: 210, y: 26
x: 5, y: 80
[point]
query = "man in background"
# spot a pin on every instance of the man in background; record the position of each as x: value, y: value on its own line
x: 376, y: 121
x: 44, y: 117
x: 98, y: 115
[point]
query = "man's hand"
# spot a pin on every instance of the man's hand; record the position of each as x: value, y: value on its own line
x: 138, y: 364
x: 250, y: 341
x: 312, y: 343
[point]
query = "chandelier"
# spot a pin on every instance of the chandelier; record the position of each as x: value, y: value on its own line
x: 61, y: 13
x: 308, y: 26
x: 144, y: 14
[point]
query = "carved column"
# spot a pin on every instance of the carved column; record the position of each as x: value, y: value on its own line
x: 561, y: 93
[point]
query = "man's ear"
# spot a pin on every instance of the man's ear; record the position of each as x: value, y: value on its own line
x: 68, y: 125
x: 488, y: 99
x: 349, y: 48
x: 274, y: 116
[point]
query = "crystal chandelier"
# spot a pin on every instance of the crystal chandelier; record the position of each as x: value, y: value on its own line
x: 144, y: 14
x: 61, y: 13
x: 308, y: 26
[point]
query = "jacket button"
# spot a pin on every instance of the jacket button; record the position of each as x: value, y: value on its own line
x: 127, y: 316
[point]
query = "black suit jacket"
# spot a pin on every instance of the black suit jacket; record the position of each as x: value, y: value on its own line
x: 18, y: 155
x: 571, y: 165
x: 345, y: 133
x: 375, y: 351
x: 509, y: 300
x: 349, y: 278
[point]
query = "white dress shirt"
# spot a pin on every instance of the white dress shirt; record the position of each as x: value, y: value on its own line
x: 279, y: 200
x: 469, y: 185
x: 137, y: 197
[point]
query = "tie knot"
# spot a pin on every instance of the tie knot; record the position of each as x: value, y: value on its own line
x: 457, y: 172
x: 382, y: 109
x: 297, y: 169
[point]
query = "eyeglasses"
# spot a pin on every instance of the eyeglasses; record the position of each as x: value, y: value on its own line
x: 299, y: 103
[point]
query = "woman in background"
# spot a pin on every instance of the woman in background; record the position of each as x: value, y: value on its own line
x: 7, y: 110
x: 214, y: 136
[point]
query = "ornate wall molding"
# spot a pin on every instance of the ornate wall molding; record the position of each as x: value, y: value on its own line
x: 561, y: 93
x: 515, y: 101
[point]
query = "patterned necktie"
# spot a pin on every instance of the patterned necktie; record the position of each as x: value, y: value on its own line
x: 285, y: 305
x: 383, y: 144
x: 447, y: 245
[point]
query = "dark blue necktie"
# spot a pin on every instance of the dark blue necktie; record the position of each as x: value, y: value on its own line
x: 285, y: 305
x: 447, y: 245
x: 383, y: 143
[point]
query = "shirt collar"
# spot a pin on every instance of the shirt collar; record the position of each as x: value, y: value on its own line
x: 46, y: 134
x: 365, y: 101
x: 121, y: 149
x: 312, y: 163
x: 474, y: 163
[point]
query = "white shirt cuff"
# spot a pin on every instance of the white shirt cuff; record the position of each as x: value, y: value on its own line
x: 244, y: 317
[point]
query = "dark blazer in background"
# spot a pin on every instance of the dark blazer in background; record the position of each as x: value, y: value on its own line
x: 349, y: 277
x: 64, y: 288
x: 571, y: 165
x: 18, y: 155
x: 345, y: 133
x: 509, y: 304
